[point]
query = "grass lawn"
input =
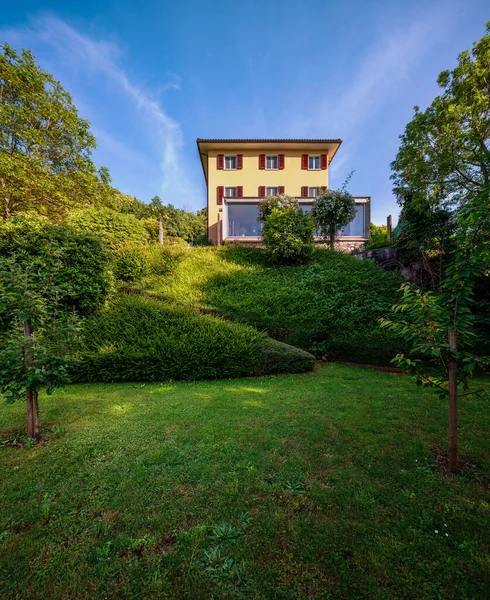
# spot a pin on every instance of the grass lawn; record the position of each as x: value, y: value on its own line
x: 290, y: 487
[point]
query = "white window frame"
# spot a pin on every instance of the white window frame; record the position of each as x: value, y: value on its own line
x: 276, y: 156
x: 319, y: 162
x: 317, y: 191
x: 271, y: 187
x: 227, y: 188
x: 225, y: 168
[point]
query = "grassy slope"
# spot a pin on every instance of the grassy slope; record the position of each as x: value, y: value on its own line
x: 335, y: 295
x: 332, y: 468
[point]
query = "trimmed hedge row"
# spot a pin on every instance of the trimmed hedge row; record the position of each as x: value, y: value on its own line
x: 143, y: 340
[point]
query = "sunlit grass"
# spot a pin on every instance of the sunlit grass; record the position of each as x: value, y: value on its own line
x: 293, y: 487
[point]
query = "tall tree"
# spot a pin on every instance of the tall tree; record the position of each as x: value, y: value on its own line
x: 444, y: 156
x: 45, y: 147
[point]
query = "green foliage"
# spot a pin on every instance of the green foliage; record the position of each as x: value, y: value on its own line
x: 281, y: 202
x: 45, y: 162
x: 114, y: 228
x: 443, y: 158
x: 378, y: 237
x: 130, y: 263
x: 332, y: 210
x: 287, y: 235
x: 144, y: 340
x: 70, y: 268
x: 336, y: 297
x: 282, y: 358
x: 440, y: 328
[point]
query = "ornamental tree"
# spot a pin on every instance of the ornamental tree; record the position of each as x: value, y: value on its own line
x: 45, y: 147
x: 332, y: 210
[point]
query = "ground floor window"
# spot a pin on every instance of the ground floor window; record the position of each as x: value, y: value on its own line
x: 243, y: 220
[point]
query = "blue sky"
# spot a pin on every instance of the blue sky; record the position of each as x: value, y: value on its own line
x: 153, y: 76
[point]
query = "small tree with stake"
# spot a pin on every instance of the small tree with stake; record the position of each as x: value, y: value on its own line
x: 440, y: 327
x: 37, y: 341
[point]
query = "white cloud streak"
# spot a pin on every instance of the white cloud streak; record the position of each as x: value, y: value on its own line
x: 103, y: 57
x: 376, y: 80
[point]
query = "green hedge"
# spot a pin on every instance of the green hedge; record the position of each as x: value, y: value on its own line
x: 73, y: 266
x: 144, y: 340
x: 114, y: 228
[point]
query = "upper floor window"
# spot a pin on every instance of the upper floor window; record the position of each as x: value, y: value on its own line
x: 314, y: 163
x: 230, y: 192
x: 230, y: 162
x: 272, y: 163
x: 271, y: 191
x: 312, y: 192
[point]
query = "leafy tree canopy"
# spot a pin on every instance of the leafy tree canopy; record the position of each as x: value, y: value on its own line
x: 332, y: 210
x: 444, y: 157
x: 45, y: 158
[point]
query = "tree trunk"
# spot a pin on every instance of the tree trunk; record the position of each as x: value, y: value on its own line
x: 35, y: 403
x: 160, y: 231
x: 453, y: 403
x: 29, y: 393
x: 332, y: 241
x: 30, y: 414
x: 7, y: 213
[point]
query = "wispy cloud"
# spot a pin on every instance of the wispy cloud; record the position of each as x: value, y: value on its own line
x: 86, y: 53
x: 377, y: 78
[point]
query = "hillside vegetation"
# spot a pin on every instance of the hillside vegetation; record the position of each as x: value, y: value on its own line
x: 331, y: 305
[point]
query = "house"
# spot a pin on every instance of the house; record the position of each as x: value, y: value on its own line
x: 239, y: 173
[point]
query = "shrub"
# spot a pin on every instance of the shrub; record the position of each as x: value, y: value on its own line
x: 114, y: 228
x: 269, y: 203
x: 283, y: 358
x: 378, y: 237
x: 287, y: 235
x: 130, y: 264
x: 144, y: 340
x: 75, y: 268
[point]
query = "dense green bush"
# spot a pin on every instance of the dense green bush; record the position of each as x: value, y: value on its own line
x: 75, y: 268
x: 144, y: 340
x: 114, y: 228
x: 378, y: 237
x: 288, y: 236
x: 130, y: 263
x: 282, y: 358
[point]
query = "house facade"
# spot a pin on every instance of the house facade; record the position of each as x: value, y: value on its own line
x: 239, y: 173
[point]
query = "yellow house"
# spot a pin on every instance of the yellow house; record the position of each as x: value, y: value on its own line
x: 239, y: 173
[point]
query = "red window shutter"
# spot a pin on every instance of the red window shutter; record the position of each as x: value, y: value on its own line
x: 324, y: 162
x: 304, y: 161
x: 281, y: 189
x: 261, y: 161
x: 261, y: 191
x: 239, y: 191
x: 220, y: 190
x: 220, y: 161
x: 323, y: 188
x: 304, y: 191
x: 239, y: 161
x: 281, y: 161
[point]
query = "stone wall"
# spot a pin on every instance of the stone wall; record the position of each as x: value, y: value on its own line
x: 348, y: 246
